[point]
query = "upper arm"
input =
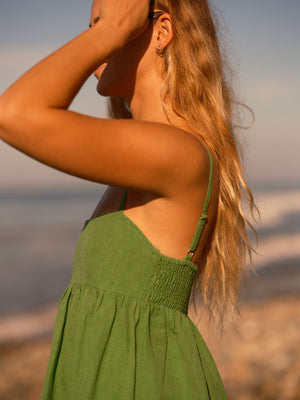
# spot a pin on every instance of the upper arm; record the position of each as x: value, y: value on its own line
x: 142, y: 155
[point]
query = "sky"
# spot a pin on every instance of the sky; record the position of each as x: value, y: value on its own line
x: 261, y: 38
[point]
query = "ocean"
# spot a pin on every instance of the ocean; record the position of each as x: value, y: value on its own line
x: 38, y: 233
x: 39, y: 230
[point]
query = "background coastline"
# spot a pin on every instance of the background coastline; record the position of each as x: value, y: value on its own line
x: 39, y: 229
x: 43, y: 210
x: 38, y: 233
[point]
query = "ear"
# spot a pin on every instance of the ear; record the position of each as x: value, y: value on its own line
x: 162, y: 32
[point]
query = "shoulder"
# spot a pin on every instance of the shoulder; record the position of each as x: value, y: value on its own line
x: 191, y: 164
x: 188, y: 157
x: 155, y: 157
x: 180, y: 145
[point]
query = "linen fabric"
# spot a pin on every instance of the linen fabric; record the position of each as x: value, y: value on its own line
x: 122, y: 331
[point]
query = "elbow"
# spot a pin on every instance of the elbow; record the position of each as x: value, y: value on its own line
x: 9, y: 116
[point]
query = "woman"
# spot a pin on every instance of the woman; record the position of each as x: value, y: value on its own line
x: 122, y: 329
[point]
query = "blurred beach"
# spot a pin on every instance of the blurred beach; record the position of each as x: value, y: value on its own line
x: 38, y: 233
x: 39, y: 227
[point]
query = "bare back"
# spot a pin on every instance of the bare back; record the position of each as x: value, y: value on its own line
x: 168, y: 223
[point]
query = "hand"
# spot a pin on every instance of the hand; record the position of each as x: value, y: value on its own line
x: 126, y: 17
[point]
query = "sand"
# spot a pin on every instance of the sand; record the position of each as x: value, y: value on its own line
x: 261, y: 362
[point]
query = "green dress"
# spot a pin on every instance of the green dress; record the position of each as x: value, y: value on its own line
x: 122, y: 331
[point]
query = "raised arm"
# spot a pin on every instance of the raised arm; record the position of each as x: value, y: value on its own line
x: 54, y: 82
x: 34, y: 116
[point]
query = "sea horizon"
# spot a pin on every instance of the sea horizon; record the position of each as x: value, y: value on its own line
x: 39, y: 229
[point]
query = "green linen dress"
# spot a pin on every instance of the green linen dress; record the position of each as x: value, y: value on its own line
x: 122, y: 331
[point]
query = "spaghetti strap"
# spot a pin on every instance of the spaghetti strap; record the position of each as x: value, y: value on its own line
x: 121, y: 207
x: 203, y: 219
x: 122, y: 204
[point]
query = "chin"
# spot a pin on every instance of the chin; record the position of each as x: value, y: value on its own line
x: 113, y: 89
x: 106, y: 91
x: 116, y: 81
x: 102, y: 91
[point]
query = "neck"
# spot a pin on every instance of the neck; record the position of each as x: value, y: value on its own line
x: 146, y: 102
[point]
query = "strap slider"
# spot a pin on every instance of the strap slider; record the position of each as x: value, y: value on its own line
x: 204, y: 217
x: 192, y: 252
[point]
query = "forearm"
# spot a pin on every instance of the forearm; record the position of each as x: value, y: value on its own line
x: 55, y: 81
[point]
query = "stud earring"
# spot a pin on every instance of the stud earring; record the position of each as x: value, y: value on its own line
x: 159, y: 51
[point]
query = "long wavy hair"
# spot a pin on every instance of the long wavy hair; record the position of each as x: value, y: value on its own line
x: 199, y: 92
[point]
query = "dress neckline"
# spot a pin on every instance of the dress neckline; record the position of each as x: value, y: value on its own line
x: 154, y: 249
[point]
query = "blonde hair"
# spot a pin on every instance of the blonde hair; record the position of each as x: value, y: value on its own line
x: 200, y: 94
